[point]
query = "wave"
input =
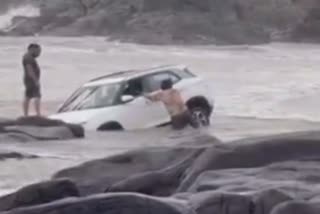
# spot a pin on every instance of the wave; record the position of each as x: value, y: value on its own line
x: 23, y: 10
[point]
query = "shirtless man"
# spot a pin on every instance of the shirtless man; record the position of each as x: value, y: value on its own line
x: 174, y: 103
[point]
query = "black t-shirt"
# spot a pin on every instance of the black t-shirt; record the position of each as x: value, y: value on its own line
x: 31, y: 61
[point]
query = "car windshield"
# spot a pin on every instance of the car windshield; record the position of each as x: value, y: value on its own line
x: 92, y: 97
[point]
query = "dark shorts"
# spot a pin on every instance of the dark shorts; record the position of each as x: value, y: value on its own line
x: 182, y: 120
x: 32, y: 91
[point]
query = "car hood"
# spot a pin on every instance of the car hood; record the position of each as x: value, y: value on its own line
x: 77, y: 117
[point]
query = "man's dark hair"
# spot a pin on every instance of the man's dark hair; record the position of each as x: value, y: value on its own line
x: 33, y: 46
x: 166, y: 84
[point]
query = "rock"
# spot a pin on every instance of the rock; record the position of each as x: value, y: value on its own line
x: 38, y: 128
x: 39, y: 194
x: 297, y: 207
x: 4, y: 155
x: 112, y: 173
x: 157, y: 183
x: 111, y: 204
x: 169, y: 21
x: 273, y: 174
x: 222, y: 203
x: 308, y: 29
x: 24, y: 26
x: 255, y: 152
x: 43, y: 133
x: 219, y: 167
x: 291, y: 179
x: 266, y: 200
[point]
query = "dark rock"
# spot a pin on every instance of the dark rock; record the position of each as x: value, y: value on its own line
x: 109, y: 204
x: 265, y: 201
x: 39, y: 128
x: 309, y: 29
x: 4, y: 155
x: 165, y: 22
x: 255, y: 152
x: 222, y: 203
x: 146, y: 171
x: 113, y: 173
x: 39, y: 194
x: 157, y: 183
x: 297, y: 207
x: 291, y: 179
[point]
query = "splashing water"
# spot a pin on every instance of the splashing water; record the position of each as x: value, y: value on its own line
x: 25, y: 10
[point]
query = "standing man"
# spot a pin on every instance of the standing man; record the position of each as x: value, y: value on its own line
x: 32, y: 79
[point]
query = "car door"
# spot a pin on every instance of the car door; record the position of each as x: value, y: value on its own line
x: 142, y: 113
x: 136, y: 113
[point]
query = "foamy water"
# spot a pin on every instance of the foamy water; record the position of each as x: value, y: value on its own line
x: 23, y: 10
x: 279, y: 81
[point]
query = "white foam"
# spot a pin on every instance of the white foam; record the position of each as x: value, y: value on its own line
x: 25, y: 10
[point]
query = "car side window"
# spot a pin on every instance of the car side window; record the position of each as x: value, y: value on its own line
x: 134, y: 88
x: 153, y: 82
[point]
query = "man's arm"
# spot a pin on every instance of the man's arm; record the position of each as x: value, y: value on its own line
x: 156, y: 96
x: 31, y: 74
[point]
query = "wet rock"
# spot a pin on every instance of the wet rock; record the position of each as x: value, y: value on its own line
x: 222, y: 203
x: 39, y: 193
x: 293, y: 178
x: 109, y: 204
x: 273, y: 174
x: 265, y: 201
x: 4, y: 155
x: 157, y: 183
x: 297, y: 207
x: 112, y: 173
x: 255, y: 152
x: 38, y: 128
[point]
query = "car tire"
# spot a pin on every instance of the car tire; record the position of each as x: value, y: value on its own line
x: 110, y: 126
x: 199, y: 117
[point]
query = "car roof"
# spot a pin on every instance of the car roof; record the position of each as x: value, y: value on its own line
x: 117, y: 77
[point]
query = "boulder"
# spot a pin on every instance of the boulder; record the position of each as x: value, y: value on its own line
x: 113, y: 173
x: 39, y: 193
x: 38, y: 128
x: 254, y: 152
x: 297, y: 207
x: 4, y: 155
x: 109, y: 204
x: 222, y: 203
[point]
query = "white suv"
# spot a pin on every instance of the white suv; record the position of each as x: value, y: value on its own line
x: 115, y: 101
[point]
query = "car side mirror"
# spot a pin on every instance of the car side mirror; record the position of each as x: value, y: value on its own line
x: 127, y: 98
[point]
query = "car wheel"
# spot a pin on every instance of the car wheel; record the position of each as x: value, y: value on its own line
x: 110, y: 126
x: 199, y: 117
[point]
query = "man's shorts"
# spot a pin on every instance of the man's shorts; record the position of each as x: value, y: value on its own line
x: 180, y: 121
x: 32, y: 91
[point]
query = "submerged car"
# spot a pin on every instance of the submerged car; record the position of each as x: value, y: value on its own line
x: 116, y: 101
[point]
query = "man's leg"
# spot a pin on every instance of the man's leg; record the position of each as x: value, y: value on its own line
x: 37, y: 100
x: 26, y: 103
x: 37, y: 106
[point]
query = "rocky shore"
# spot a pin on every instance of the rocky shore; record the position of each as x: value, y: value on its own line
x: 173, y: 21
x: 275, y: 174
